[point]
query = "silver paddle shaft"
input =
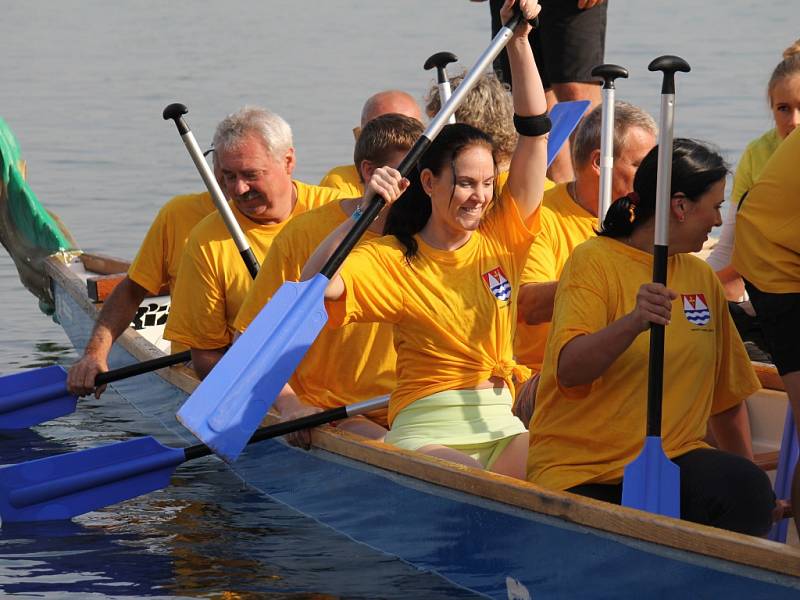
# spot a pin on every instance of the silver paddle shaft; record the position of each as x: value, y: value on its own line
x: 444, y: 95
x: 664, y: 173
x: 484, y: 60
x: 216, y: 193
x: 606, y: 154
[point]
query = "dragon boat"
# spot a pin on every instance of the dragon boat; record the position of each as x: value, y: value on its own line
x: 494, y: 535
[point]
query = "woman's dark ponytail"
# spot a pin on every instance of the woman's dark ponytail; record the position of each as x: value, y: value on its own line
x: 695, y: 168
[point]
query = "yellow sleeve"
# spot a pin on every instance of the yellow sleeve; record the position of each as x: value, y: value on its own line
x: 197, y: 315
x: 736, y: 379
x: 580, y: 308
x: 504, y: 223
x: 149, y: 268
x: 277, y: 267
x: 541, y: 265
x: 743, y: 178
x: 372, y: 293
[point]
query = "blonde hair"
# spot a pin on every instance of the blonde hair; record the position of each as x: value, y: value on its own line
x: 488, y: 106
x: 788, y: 67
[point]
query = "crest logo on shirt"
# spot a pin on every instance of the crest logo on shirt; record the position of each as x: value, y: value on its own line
x: 696, y: 309
x: 498, y: 284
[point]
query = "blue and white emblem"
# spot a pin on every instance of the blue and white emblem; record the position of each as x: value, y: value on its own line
x: 696, y: 309
x: 498, y: 284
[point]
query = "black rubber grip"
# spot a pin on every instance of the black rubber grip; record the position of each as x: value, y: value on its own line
x: 175, y: 112
x: 669, y: 65
x: 608, y: 73
x: 142, y: 367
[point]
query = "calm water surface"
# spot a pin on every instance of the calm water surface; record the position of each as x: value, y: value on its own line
x: 83, y: 87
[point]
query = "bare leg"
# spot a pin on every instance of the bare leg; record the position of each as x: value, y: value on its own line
x: 451, y: 455
x: 561, y: 169
x: 361, y: 425
x: 513, y: 459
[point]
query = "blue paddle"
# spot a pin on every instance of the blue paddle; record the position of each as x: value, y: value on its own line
x: 565, y: 117
x: 68, y: 485
x: 652, y: 482
x: 228, y: 405
x: 38, y: 395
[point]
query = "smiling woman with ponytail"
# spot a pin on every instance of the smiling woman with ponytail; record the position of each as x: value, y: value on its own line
x: 446, y: 277
x: 590, y: 411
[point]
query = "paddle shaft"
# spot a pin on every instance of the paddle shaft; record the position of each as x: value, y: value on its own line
x: 142, y: 367
x: 655, y: 380
x: 175, y: 112
x: 376, y: 203
x: 608, y: 73
x: 279, y: 429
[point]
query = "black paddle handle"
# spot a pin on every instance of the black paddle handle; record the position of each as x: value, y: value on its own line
x: 608, y: 73
x: 277, y: 430
x: 376, y: 203
x: 655, y: 374
x: 440, y: 60
x: 250, y: 262
x: 142, y: 367
x: 669, y: 65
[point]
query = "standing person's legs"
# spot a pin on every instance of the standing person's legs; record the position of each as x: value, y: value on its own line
x: 572, y: 43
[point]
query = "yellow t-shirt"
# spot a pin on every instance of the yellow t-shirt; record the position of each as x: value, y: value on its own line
x: 752, y: 162
x: 213, y: 279
x: 453, y: 312
x: 156, y: 263
x: 588, y: 434
x: 346, y: 365
x: 565, y: 224
x: 767, y: 248
x: 345, y: 179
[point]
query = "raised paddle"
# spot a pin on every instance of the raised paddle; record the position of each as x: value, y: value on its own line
x: 439, y: 61
x: 228, y: 405
x: 32, y: 397
x: 176, y: 112
x: 67, y: 485
x: 608, y: 73
x: 565, y: 117
x: 652, y: 482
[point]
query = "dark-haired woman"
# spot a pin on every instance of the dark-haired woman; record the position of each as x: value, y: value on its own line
x: 590, y: 416
x: 446, y: 278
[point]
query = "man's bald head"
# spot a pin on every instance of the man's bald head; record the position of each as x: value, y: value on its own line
x: 390, y: 101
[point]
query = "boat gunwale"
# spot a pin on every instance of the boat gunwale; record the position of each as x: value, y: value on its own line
x: 594, y: 514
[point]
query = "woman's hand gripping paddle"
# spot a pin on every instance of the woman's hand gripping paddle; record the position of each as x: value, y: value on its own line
x: 229, y: 404
x: 64, y: 486
x: 36, y: 396
x: 652, y: 482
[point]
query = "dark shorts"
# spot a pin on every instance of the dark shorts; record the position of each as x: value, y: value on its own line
x: 717, y: 488
x: 568, y: 44
x: 779, y: 318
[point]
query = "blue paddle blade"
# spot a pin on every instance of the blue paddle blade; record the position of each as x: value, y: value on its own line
x: 787, y: 460
x: 652, y: 482
x: 64, y: 486
x: 35, y: 396
x: 565, y: 117
x: 227, y: 407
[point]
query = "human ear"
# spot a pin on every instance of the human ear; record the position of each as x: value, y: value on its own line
x: 289, y: 161
x: 426, y: 179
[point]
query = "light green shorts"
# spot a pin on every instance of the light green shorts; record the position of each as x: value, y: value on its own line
x: 478, y: 423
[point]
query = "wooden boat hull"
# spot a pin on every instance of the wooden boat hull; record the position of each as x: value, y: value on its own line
x: 485, y: 532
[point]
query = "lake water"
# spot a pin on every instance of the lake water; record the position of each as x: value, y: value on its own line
x: 83, y: 86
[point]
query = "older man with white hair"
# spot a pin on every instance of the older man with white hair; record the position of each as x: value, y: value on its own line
x: 255, y: 159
